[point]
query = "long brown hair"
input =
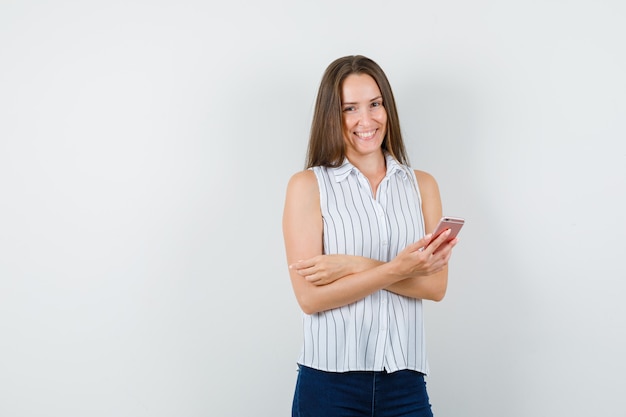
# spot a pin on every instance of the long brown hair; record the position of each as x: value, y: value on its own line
x: 326, y: 143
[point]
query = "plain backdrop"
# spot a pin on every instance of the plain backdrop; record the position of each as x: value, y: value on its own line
x: 145, y: 147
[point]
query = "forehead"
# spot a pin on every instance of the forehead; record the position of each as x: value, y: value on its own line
x: 359, y: 87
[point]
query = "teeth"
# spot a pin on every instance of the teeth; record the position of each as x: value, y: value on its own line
x: 365, y: 135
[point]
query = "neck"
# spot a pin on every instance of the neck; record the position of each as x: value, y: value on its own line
x: 372, y: 165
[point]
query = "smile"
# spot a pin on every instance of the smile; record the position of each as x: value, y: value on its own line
x: 366, y: 135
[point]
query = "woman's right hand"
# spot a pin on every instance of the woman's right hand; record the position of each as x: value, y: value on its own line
x: 425, y: 257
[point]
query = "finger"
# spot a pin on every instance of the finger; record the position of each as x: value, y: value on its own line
x: 434, y: 245
x: 306, y: 263
x: 312, y: 278
x: 447, y: 246
x: 420, y: 244
x: 295, y: 265
x: 305, y: 272
x: 443, y: 236
x: 301, y: 265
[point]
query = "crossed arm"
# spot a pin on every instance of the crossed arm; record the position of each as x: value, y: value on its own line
x: 322, y: 282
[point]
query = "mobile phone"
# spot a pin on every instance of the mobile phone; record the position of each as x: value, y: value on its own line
x: 452, y: 223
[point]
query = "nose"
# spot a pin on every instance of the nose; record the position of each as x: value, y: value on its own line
x: 364, y: 117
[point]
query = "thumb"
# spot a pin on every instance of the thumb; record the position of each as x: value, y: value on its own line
x: 420, y: 244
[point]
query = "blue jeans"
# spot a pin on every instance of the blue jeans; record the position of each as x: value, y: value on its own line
x: 356, y: 394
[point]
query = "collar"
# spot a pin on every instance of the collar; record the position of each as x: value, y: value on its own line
x: 346, y: 168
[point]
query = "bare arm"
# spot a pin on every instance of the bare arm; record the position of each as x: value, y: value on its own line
x: 302, y: 229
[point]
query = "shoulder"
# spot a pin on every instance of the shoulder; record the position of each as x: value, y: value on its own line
x: 302, y: 213
x: 426, y: 182
x: 303, y: 180
x: 303, y: 186
x: 431, y: 199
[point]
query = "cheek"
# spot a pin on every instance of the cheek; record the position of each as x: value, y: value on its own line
x: 347, y: 120
x: 383, y: 117
x: 346, y: 124
x: 383, y: 122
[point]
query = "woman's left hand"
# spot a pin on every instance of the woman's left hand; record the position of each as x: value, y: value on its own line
x: 324, y: 269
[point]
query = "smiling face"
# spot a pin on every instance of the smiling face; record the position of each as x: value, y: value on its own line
x: 364, y: 116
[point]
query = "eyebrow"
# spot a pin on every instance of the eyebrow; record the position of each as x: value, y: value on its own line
x: 354, y: 102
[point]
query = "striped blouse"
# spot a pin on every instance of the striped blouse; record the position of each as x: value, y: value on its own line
x: 383, y: 331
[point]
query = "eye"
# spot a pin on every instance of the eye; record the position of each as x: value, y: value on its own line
x: 377, y: 103
x: 348, y: 109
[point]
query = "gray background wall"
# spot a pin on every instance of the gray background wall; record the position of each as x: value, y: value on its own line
x: 144, y: 152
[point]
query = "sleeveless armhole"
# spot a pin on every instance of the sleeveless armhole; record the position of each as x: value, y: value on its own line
x: 320, y: 183
x: 418, y: 195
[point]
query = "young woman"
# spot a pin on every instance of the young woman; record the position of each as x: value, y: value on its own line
x: 357, y: 226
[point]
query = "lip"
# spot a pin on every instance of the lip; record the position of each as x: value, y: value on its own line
x: 366, y: 135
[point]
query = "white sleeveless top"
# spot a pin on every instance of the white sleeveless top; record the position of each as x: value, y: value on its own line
x: 383, y: 331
